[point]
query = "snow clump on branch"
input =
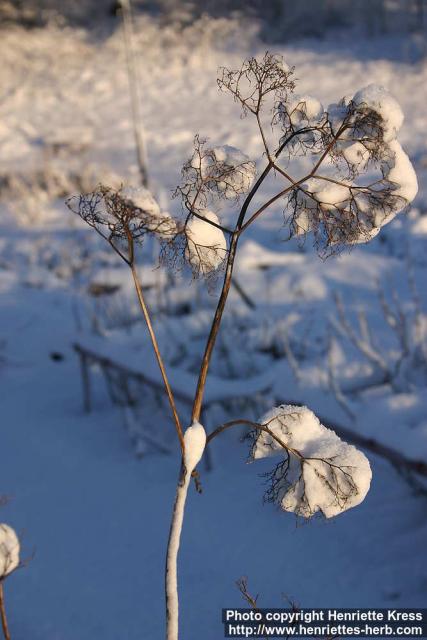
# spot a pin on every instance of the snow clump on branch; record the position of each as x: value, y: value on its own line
x: 194, y: 445
x: 9, y: 550
x: 159, y: 222
x: 206, y: 244
x: 319, y: 471
x: 224, y: 170
x: 344, y: 210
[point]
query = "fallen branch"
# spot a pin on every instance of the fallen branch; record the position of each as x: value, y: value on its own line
x: 397, y: 459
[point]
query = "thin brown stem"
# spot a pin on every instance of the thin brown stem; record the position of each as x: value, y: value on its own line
x: 198, y: 399
x: 4, y: 624
x: 240, y: 227
x: 159, y: 358
x: 252, y: 425
x: 216, y: 322
x: 135, y: 90
x: 265, y: 206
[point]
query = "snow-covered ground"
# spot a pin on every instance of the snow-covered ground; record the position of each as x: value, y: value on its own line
x: 95, y: 516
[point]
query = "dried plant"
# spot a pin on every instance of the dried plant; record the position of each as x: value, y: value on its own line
x: 358, y: 180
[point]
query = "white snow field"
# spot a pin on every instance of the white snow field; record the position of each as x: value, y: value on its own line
x: 92, y: 518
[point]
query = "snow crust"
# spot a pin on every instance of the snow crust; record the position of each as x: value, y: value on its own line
x: 159, y: 222
x: 319, y: 487
x: 9, y: 550
x: 206, y: 244
x: 194, y: 442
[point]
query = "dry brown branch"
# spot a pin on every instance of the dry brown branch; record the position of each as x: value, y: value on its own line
x: 3, y: 617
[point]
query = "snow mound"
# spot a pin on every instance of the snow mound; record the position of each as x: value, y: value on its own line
x: 194, y: 445
x: 320, y: 471
x: 9, y: 550
x: 206, y: 244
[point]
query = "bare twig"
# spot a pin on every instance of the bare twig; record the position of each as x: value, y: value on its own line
x: 4, y: 623
x: 159, y: 358
x: 135, y: 90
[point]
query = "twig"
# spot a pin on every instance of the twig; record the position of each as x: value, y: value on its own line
x: 134, y: 88
x: 4, y: 624
x: 159, y: 358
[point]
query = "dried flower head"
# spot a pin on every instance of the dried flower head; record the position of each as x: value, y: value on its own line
x: 257, y: 80
x: 123, y: 216
x: 318, y: 472
x: 214, y: 173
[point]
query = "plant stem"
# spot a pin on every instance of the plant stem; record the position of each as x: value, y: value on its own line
x: 135, y: 90
x: 171, y: 574
x: 3, y: 614
x: 147, y: 318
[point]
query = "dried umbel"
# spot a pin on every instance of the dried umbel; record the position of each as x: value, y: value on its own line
x: 214, y: 173
x: 363, y: 177
x: 9, y: 550
x: 258, y: 80
x: 123, y: 216
x: 317, y: 470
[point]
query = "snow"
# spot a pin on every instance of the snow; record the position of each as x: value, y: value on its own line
x: 368, y: 208
x: 401, y: 173
x: 172, y: 599
x: 380, y: 100
x: 206, y: 244
x: 329, y: 194
x: 194, y: 445
x: 356, y: 154
x: 304, y: 110
x: 316, y: 485
x: 229, y: 168
x: 9, y: 550
x: 159, y: 222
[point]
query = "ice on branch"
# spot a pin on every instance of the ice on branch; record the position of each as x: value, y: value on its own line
x: 206, y: 244
x: 194, y: 445
x: 9, y: 550
x: 317, y: 472
x: 157, y: 221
